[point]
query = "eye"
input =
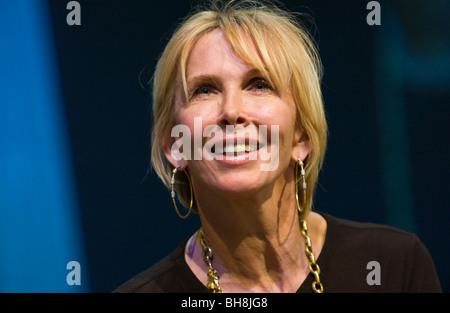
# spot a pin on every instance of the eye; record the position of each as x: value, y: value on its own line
x: 260, y: 85
x: 202, y: 91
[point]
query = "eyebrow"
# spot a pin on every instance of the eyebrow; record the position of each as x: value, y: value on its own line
x: 202, y: 79
x: 206, y: 78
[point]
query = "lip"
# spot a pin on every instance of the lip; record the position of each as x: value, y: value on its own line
x: 231, y: 159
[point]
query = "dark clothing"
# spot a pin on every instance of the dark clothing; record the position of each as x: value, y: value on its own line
x: 404, y: 264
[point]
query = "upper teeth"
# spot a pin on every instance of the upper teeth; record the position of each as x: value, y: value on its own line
x: 236, y: 148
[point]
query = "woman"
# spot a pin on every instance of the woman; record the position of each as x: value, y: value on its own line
x: 240, y: 135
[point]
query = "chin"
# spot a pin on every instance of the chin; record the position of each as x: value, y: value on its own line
x: 242, y: 184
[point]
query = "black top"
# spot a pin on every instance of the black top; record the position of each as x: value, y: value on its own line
x: 403, y: 264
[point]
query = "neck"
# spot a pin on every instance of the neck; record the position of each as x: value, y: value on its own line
x: 256, y: 241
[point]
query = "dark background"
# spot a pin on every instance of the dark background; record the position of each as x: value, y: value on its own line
x: 386, y: 91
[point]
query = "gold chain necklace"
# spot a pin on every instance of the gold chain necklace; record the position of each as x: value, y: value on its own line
x: 213, y: 279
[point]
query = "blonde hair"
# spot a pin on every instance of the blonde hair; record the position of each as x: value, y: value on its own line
x: 282, y: 50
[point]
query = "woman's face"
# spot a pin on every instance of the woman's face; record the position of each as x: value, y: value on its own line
x: 227, y: 94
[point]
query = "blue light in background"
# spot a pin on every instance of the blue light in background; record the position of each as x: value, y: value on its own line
x: 40, y: 228
x: 392, y: 121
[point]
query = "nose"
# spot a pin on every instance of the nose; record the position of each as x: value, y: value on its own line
x: 232, y: 110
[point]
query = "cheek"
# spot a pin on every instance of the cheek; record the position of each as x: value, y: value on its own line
x: 196, y: 123
x: 274, y: 110
x: 281, y: 115
x: 194, y: 120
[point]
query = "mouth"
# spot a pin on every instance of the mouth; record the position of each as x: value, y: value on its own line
x: 243, y: 150
x: 235, y: 149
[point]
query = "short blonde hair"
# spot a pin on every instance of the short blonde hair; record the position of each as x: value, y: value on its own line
x: 282, y: 49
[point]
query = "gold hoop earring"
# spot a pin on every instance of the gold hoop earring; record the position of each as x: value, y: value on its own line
x: 172, y: 193
x: 300, y: 208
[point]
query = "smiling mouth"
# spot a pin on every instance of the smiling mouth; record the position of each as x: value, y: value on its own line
x: 235, y: 149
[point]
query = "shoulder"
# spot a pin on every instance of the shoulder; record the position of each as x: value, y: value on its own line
x: 355, y: 248
x: 171, y: 274
x: 370, y: 234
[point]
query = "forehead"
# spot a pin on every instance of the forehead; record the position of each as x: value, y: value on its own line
x: 213, y: 53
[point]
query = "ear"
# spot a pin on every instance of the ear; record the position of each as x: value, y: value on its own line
x: 171, y: 147
x: 301, y: 148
